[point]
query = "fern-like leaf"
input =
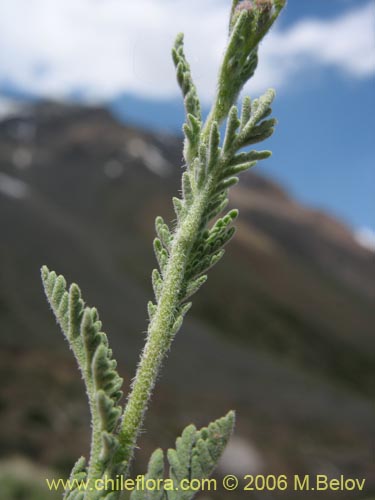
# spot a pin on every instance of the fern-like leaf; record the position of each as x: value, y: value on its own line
x: 155, y: 472
x: 78, y: 474
x: 195, y: 457
x: 82, y: 328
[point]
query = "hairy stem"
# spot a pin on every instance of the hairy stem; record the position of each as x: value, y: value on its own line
x: 94, y: 471
x: 159, y: 339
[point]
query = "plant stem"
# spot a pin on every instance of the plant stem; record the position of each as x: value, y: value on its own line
x: 159, y: 338
x: 94, y: 472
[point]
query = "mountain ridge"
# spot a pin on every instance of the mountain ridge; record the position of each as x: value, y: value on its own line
x: 291, y: 349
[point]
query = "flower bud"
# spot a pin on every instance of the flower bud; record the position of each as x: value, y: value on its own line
x: 264, y: 4
x: 263, y: 10
x: 244, y: 5
x: 249, y: 22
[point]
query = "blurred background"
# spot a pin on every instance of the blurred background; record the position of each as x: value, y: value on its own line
x: 90, y: 152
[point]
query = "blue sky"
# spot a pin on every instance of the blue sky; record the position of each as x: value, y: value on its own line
x: 320, y: 58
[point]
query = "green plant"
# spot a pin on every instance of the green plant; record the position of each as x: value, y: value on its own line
x: 184, y: 254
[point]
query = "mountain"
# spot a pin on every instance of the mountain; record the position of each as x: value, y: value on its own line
x: 282, y: 331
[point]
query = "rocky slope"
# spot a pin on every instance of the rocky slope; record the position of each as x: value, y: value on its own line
x: 283, y: 330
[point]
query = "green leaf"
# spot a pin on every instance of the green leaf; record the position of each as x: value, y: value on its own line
x: 237, y: 169
x: 82, y: 328
x: 231, y: 130
x: 187, y: 188
x: 184, y: 78
x: 155, y: 472
x: 179, y: 208
x: 213, y: 147
x: 261, y: 108
x: 249, y: 156
x: 163, y: 232
x: 191, y: 131
x: 157, y: 284
x: 78, y: 473
x: 151, y: 308
x: 194, y: 286
x: 245, y: 111
x: 197, y: 453
x: 75, y: 311
x: 161, y: 254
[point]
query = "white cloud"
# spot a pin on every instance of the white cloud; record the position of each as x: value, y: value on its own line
x: 345, y: 43
x: 105, y: 47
